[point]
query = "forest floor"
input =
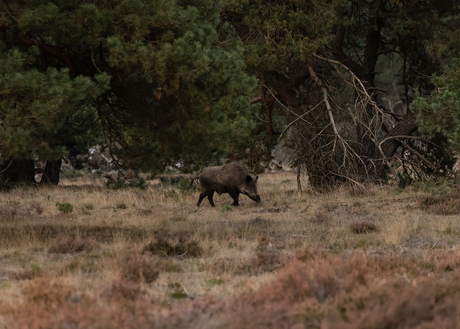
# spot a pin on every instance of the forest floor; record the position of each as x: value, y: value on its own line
x: 373, y: 257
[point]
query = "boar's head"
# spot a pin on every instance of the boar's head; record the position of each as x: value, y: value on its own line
x: 249, y: 188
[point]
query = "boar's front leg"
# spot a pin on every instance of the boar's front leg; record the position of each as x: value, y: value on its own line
x: 234, y: 194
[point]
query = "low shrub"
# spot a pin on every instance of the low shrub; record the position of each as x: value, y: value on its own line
x: 174, y: 245
x: 64, y: 207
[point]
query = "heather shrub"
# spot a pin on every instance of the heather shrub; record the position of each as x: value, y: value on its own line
x: 448, y: 204
x: 305, y: 254
x: 55, y: 306
x: 125, y: 289
x: 267, y: 258
x: 172, y: 244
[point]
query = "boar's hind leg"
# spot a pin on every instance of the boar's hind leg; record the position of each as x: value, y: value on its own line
x: 202, y: 196
x: 234, y: 195
x: 210, y: 198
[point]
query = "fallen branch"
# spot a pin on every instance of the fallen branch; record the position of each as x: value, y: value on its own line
x: 187, y: 293
x: 419, y: 155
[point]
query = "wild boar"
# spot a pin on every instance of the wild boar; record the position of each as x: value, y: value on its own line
x: 231, y: 179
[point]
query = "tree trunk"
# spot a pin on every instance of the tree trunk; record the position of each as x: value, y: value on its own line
x: 404, y: 128
x: 17, y: 171
x: 51, y: 172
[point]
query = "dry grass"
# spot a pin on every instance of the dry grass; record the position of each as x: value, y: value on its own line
x: 373, y: 257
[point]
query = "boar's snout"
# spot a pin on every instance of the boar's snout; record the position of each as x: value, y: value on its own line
x: 256, y: 197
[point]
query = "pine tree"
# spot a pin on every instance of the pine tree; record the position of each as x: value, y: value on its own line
x: 151, y: 78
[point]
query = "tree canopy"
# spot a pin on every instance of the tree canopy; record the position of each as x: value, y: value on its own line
x: 152, y: 79
x: 338, y: 68
x: 188, y: 82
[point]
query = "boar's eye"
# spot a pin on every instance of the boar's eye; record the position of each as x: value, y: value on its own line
x: 248, y: 179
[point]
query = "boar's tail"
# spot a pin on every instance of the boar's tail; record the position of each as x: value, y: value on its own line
x: 195, y: 178
x: 192, y: 180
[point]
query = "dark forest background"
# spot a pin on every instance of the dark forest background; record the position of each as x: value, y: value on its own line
x: 355, y: 89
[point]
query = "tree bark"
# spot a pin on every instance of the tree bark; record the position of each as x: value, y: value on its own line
x: 51, y: 172
x: 403, y: 128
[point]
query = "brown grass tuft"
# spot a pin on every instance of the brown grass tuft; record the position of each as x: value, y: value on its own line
x: 361, y: 190
x: 140, y: 268
x: 363, y: 227
x: 263, y: 240
x: 320, y: 217
x: 38, y: 208
x: 73, y: 245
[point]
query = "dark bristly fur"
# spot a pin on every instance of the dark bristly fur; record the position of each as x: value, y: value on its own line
x: 231, y: 179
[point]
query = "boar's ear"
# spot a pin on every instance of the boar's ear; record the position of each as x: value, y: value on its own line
x: 248, y: 179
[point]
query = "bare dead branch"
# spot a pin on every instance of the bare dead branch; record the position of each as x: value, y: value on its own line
x: 419, y: 155
x: 298, y: 118
x: 329, y: 111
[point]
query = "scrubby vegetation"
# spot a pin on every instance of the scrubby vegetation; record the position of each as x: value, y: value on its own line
x: 383, y: 259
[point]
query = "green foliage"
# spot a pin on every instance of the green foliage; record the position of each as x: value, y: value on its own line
x: 88, y: 206
x: 36, y: 270
x: 215, y: 282
x: 279, y: 32
x: 180, y: 182
x: 226, y: 208
x: 440, y: 112
x: 171, y: 180
x: 179, y: 294
x: 35, y: 106
x: 65, y: 207
x: 151, y: 79
x: 71, y: 173
x: 121, y: 183
x: 439, y: 186
x: 170, y: 83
